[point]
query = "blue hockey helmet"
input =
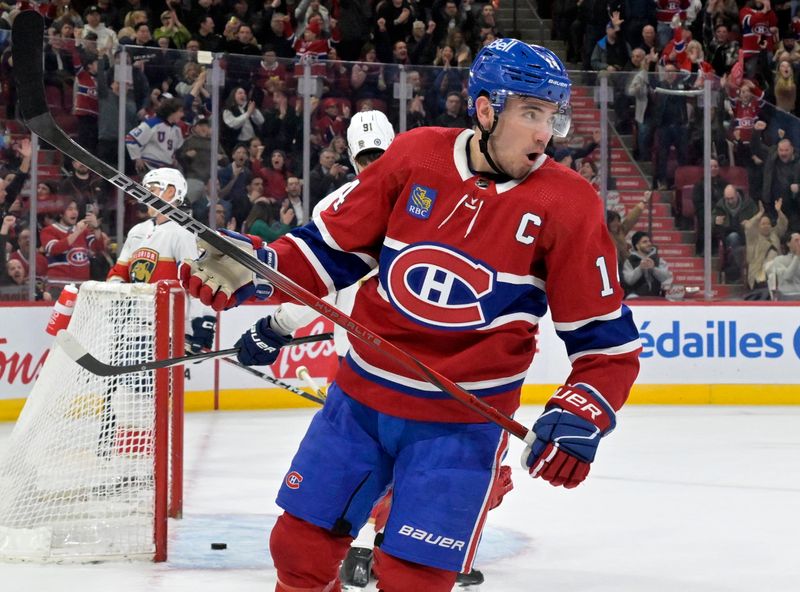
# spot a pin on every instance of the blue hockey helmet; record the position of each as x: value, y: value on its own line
x: 510, y: 67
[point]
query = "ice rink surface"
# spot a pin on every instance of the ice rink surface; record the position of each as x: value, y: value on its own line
x: 680, y: 499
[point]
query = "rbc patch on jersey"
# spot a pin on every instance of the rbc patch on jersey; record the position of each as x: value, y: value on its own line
x: 420, y: 201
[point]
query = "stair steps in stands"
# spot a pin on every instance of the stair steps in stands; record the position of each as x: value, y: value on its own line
x: 630, y: 182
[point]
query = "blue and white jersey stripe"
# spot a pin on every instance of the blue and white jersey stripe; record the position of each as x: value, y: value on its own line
x: 337, y: 268
x: 610, y: 334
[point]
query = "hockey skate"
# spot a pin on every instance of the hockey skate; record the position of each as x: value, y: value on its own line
x: 473, y: 578
x: 356, y: 568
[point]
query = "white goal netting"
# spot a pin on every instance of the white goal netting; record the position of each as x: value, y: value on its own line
x: 84, y: 477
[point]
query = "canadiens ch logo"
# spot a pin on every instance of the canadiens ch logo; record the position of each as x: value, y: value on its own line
x: 420, y: 201
x: 143, y: 264
x: 78, y: 257
x: 438, y: 286
x: 293, y: 480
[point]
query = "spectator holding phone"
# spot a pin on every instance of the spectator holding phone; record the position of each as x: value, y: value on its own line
x: 68, y: 245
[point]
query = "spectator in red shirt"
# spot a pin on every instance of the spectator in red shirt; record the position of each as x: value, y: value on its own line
x: 68, y: 245
x: 274, y: 174
x: 85, y: 106
x: 23, y: 250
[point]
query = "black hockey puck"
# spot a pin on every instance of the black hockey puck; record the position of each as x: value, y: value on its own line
x: 219, y: 546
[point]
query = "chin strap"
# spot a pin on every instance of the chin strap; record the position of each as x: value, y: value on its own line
x: 483, y: 144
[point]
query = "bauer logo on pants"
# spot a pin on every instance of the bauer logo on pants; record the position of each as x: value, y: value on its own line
x: 293, y: 480
x: 431, y: 538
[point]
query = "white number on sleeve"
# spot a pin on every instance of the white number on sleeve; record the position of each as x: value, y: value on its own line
x: 607, y: 290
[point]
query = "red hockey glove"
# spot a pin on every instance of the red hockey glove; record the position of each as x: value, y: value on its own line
x: 566, y: 435
x: 220, y: 282
x: 501, y: 486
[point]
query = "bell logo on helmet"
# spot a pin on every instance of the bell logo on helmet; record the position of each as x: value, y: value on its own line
x: 503, y: 44
x: 508, y: 67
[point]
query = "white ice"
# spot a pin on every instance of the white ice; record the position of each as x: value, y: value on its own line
x: 680, y: 499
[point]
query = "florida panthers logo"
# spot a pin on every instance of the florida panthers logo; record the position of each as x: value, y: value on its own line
x: 143, y: 263
x: 438, y: 286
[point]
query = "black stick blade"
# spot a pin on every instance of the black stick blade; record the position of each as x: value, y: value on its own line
x: 27, y: 50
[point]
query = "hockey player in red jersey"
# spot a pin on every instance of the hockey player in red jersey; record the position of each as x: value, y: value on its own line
x: 476, y: 232
x: 155, y: 247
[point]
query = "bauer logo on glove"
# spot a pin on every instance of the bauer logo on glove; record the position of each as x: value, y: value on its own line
x: 220, y: 282
x: 564, y: 439
x: 261, y: 344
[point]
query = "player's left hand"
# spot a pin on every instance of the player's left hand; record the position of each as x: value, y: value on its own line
x: 202, y: 336
x: 220, y: 282
x: 567, y: 435
x: 260, y: 344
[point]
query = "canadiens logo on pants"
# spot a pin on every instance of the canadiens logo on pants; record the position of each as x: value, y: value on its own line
x: 293, y: 480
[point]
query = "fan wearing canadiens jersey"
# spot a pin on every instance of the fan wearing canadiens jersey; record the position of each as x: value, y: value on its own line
x: 154, y: 248
x: 474, y: 234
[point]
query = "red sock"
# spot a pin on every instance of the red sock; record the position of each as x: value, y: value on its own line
x: 306, y: 557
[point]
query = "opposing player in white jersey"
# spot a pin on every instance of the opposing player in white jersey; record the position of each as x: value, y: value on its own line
x: 155, y: 247
x: 368, y: 136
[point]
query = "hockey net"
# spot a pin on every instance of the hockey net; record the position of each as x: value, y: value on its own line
x: 93, y: 466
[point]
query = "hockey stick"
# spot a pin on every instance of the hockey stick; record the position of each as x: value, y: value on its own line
x: 78, y: 353
x: 276, y: 382
x: 27, y: 52
x: 73, y: 348
x: 302, y: 374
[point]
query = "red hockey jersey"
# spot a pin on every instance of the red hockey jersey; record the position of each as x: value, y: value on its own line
x: 755, y: 28
x: 467, y: 267
x: 65, y: 260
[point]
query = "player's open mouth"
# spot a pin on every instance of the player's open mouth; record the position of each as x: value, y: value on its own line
x: 532, y: 156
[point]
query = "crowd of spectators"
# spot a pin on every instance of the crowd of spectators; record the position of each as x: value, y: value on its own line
x: 354, y: 47
x: 168, y: 117
x: 749, y: 51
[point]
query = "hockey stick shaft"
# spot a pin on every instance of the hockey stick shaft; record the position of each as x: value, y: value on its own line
x: 28, y: 30
x: 275, y: 381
